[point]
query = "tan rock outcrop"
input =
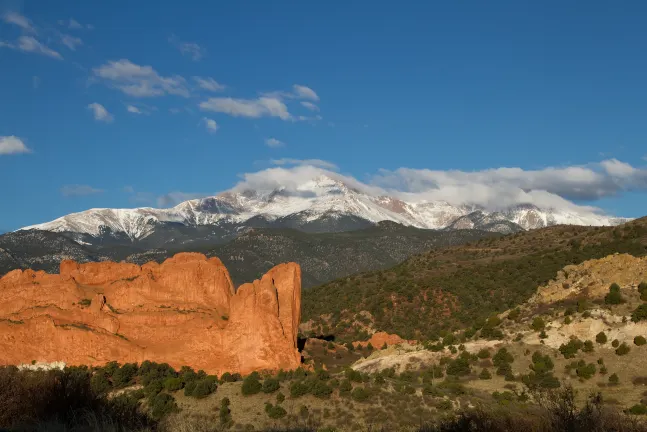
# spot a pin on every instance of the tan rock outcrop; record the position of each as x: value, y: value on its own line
x: 182, y: 312
x: 592, y: 278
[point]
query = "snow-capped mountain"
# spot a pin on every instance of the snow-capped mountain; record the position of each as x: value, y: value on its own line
x: 320, y: 204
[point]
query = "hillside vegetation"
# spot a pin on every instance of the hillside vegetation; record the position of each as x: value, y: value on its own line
x: 432, y: 293
x: 323, y: 256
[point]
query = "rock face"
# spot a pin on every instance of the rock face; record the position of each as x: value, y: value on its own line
x: 592, y: 278
x: 182, y: 312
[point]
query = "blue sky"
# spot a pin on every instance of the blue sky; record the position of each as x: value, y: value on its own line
x: 119, y: 104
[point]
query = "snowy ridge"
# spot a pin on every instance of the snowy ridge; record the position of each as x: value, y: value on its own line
x: 319, y: 197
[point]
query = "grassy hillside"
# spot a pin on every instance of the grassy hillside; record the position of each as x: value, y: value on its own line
x: 441, y: 290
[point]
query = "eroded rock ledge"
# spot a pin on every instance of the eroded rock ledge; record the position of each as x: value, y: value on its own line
x: 184, y: 311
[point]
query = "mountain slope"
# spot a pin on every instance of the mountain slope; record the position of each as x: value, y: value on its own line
x: 323, y: 256
x: 322, y: 204
x: 443, y: 288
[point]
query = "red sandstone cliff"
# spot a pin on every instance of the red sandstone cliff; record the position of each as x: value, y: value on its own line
x: 182, y: 312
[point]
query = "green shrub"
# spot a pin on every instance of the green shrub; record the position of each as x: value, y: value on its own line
x: 227, y: 377
x: 570, y: 349
x: 270, y: 385
x: 541, y: 375
x: 298, y: 389
x: 153, y: 388
x: 588, y: 346
x: 173, y: 384
x: 514, y: 314
x: 613, y: 297
x: 640, y: 313
x: 124, y: 376
x: 460, y: 366
x: 280, y: 397
x: 601, y: 338
x: 360, y: 394
x: 642, y: 289
x: 275, y: 411
x: 586, y: 371
x: 613, y: 379
x: 162, y: 404
x: 483, y: 353
x: 615, y: 343
x: 251, y: 385
x: 538, y: 324
x: 189, y: 387
x: 204, y: 387
x: 320, y: 389
x: 353, y: 375
x: 485, y: 375
x: 638, y: 409
x: 99, y: 383
x: 639, y: 340
x: 623, y: 349
x: 224, y: 411
x: 568, y: 320
x: 502, y: 356
x: 345, y: 387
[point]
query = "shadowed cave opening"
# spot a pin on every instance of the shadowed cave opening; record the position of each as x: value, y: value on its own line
x: 301, y: 341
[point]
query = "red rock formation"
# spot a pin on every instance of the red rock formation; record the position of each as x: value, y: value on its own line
x: 182, y: 312
x: 380, y: 338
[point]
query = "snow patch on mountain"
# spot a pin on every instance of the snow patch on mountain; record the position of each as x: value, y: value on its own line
x: 312, y: 200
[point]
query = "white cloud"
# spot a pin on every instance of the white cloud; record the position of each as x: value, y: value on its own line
x: 318, y: 163
x: 208, y: 84
x: 79, y: 190
x: 73, y: 24
x: 35, y: 82
x: 140, y: 81
x: 133, y: 109
x: 303, y: 92
x: 30, y: 44
x: 310, y: 106
x: 191, y: 49
x: 16, y: 19
x: 12, y: 145
x: 70, y: 41
x: 274, y: 143
x: 559, y: 188
x: 210, y: 124
x: 254, y: 108
x: 100, y: 112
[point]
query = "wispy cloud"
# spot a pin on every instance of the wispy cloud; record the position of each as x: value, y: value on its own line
x: 31, y: 45
x: 100, y: 112
x: 73, y: 24
x: 304, y: 162
x: 140, y: 81
x: 70, y: 41
x: 79, y: 190
x: 12, y: 145
x: 208, y: 84
x: 210, y: 124
x: 303, y: 92
x: 190, y: 49
x: 19, y: 20
x: 253, y: 108
x: 35, y: 82
x: 274, y: 143
x: 310, y: 106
